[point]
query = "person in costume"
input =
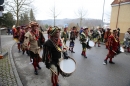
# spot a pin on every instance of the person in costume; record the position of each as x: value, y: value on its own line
x: 107, y: 34
x: 41, y: 38
x: 17, y: 34
x: 52, y: 55
x: 83, y: 39
x: 98, y: 38
x: 48, y: 31
x: 31, y: 38
x: 72, y: 38
x: 127, y: 40
x: 113, y: 46
x: 65, y: 35
x: 22, y: 37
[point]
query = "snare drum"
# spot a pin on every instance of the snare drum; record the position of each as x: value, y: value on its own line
x: 67, y: 67
x: 91, y: 43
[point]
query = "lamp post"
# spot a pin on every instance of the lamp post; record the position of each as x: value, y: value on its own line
x: 103, y: 13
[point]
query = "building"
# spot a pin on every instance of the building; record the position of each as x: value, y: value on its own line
x: 120, y: 16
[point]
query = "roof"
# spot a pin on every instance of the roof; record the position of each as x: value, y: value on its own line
x: 121, y: 1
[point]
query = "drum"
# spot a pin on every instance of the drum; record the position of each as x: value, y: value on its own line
x: 91, y: 43
x: 122, y: 49
x: 67, y: 67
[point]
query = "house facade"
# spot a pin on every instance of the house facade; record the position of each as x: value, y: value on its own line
x: 120, y: 16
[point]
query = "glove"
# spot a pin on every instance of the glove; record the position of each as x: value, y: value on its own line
x: 65, y: 55
x: 48, y: 65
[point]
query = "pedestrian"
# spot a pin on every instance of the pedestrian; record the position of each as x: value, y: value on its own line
x: 118, y: 32
x: 48, y: 31
x: 72, y: 39
x: 102, y: 35
x: 127, y: 40
x: 83, y: 39
x: 98, y: 38
x: 52, y: 55
x: 107, y: 34
x: 31, y: 38
x: 17, y: 34
x: 65, y: 34
x: 113, y: 45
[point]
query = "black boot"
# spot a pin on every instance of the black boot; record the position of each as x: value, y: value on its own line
x: 111, y: 62
x: 57, y: 84
x: 39, y: 67
x: 105, y: 62
x: 23, y: 52
x: 35, y: 72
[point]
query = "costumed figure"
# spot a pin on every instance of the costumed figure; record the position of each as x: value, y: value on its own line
x: 127, y: 40
x: 31, y: 38
x: 72, y: 38
x: 98, y: 38
x: 113, y: 47
x: 65, y: 35
x: 48, y: 31
x: 52, y: 54
x: 17, y: 33
x: 107, y: 34
x: 22, y: 38
x: 41, y: 39
x: 83, y: 39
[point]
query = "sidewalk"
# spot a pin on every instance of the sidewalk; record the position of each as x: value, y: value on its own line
x: 7, y: 77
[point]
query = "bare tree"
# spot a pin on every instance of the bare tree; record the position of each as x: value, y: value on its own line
x: 81, y: 13
x: 54, y: 13
x: 17, y: 7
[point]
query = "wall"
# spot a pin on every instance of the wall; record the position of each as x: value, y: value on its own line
x: 124, y: 18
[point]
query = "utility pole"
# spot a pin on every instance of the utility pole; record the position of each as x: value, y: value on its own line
x: 103, y: 13
x: 118, y: 14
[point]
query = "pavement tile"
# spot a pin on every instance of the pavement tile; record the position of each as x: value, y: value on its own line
x: 7, y: 77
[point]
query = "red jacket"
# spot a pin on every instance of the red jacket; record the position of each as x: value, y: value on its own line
x: 113, y: 42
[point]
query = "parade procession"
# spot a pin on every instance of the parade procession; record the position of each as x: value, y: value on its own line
x: 54, y: 51
x: 64, y: 42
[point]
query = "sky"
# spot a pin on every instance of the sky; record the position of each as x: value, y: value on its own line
x: 69, y: 8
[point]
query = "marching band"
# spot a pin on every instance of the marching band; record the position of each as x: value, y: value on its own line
x: 29, y: 38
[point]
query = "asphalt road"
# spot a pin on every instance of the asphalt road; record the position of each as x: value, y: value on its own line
x: 89, y: 72
x: 5, y: 39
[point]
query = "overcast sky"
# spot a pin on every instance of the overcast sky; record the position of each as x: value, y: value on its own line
x: 69, y: 8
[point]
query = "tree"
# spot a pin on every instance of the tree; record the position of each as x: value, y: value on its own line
x: 53, y: 13
x: 24, y: 19
x: 17, y: 7
x: 81, y: 13
x: 32, y: 18
x: 7, y: 20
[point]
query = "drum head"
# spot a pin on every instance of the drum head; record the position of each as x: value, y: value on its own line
x: 68, y: 65
x: 122, y: 49
x: 91, y: 44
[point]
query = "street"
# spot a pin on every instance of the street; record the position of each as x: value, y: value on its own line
x: 89, y: 72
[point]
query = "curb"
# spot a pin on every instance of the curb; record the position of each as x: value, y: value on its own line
x: 19, y: 83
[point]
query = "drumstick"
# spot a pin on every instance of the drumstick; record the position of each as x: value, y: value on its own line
x: 114, y: 51
x: 53, y: 71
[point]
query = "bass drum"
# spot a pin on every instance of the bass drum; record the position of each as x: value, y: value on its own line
x: 67, y: 67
